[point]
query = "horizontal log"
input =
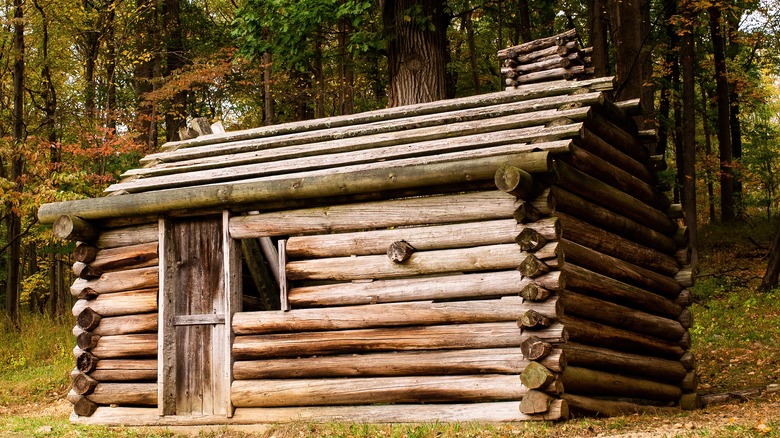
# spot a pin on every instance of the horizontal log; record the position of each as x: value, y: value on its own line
x: 686, y: 277
x: 352, y: 391
x: 578, y: 380
x: 535, y: 45
x: 85, y: 252
x: 68, y: 227
x: 482, y: 258
x: 81, y: 405
x: 619, y: 269
x: 404, y: 363
x: 83, y: 384
x: 616, y: 177
x: 450, y: 287
x: 120, y: 303
x: 611, y: 198
x: 125, y: 257
x: 593, y: 237
x: 118, y: 281
x: 593, y: 333
x: 527, y: 212
x: 389, y: 315
x: 620, y: 316
x: 395, y: 413
x: 598, y: 358
x: 568, y: 73
x: 127, y: 324
x: 613, y: 408
x: 128, y: 236
x: 437, y: 337
x: 517, y: 182
x: 126, y: 346
x: 580, y: 279
x: 460, y: 235
x: 597, y: 146
x: 429, y: 210
x: 617, y: 133
x: 347, y: 181
x: 137, y: 394
x: 124, y: 370
x: 83, y: 270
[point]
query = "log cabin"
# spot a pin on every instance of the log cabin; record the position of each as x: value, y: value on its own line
x: 503, y: 257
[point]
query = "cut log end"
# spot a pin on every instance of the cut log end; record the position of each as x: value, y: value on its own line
x: 517, y: 182
x: 535, y: 402
x: 88, y: 319
x: 400, y: 251
x: 536, y: 376
x: 83, y: 384
x: 68, y: 227
x: 534, y: 348
x: 533, y: 267
x: 530, y: 240
x: 84, y: 407
x: 86, y: 362
x: 532, y: 319
x: 534, y: 292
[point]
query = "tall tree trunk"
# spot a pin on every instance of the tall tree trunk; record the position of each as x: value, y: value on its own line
x: 176, y: 116
x: 416, y: 50
x: 110, y: 69
x: 268, y: 99
x: 346, y: 69
x: 145, y: 73
x: 724, y: 127
x: 732, y: 52
x: 524, y: 28
x: 668, y: 90
x: 500, y: 38
x: 705, y: 123
x: 319, y: 78
x: 687, y: 56
x: 14, y: 220
x: 598, y: 23
x: 773, y: 267
x: 626, y: 23
x: 468, y: 23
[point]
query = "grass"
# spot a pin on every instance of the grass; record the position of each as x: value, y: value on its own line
x: 736, y: 339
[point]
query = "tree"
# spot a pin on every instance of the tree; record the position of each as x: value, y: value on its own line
x: 416, y: 40
x: 773, y: 267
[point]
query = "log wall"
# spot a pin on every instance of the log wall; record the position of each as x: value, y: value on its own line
x: 116, y: 319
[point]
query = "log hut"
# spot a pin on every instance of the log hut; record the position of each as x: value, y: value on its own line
x: 502, y: 257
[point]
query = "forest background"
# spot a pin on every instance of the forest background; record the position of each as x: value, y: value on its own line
x: 88, y: 87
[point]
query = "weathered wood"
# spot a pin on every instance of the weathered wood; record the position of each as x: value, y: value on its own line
x: 136, y: 394
x: 437, y: 337
x: 593, y: 333
x: 120, y: 346
x: 394, y: 413
x: 541, y: 43
x: 284, y: 302
x: 517, y: 182
x: 85, y: 361
x: 580, y: 279
x: 619, y: 269
x: 128, y: 236
x: 613, y: 175
x: 535, y: 402
x: 675, y: 211
x: 690, y: 402
x: 606, y: 127
x: 85, y: 252
x: 118, y: 281
x: 536, y: 376
x: 534, y: 292
x: 87, y: 340
x: 599, y: 383
x: 688, y: 360
x: 81, y: 405
x: 530, y: 240
x: 690, y: 382
x: 393, y: 213
x: 682, y: 237
x: 686, y: 318
x: 534, y: 348
x: 460, y: 235
x: 685, y: 341
x: 67, y: 227
x: 568, y: 73
x: 350, y: 391
x: 264, y: 278
x: 125, y: 257
x: 400, y: 251
x: 609, y: 197
x: 531, y: 319
x: 119, y: 325
x: 83, y: 270
x: 683, y: 255
x: 619, y: 316
x: 531, y: 266
x: 83, y: 384
x: 403, y: 363
x: 120, y: 303
x: 563, y: 201
x: 685, y: 299
x: 686, y: 276
x: 605, y: 242
x: 599, y: 358
x: 449, y: 287
x: 612, y: 408
x: 390, y: 315
x: 596, y: 145
x: 402, y: 174
x: 493, y: 257
x: 125, y: 370
x: 88, y: 319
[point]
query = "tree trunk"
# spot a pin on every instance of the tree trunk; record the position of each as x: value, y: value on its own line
x: 268, y: 99
x: 144, y: 74
x: 599, y: 31
x: 175, y: 60
x: 468, y: 23
x: 525, y: 20
x: 416, y: 50
x: 773, y: 268
x: 689, y: 135
x: 705, y: 122
x: 626, y: 23
x: 724, y: 127
x: 14, y: 221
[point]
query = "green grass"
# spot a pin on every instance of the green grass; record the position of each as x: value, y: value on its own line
x: 35, y: 363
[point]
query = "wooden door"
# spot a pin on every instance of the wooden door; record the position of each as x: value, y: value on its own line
x: 194, y: 348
